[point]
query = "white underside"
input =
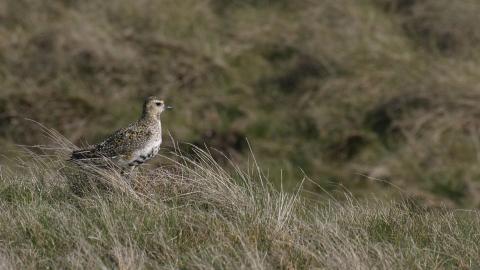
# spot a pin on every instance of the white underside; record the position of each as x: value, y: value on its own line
x: 149, y: 151
x: 149, y: 147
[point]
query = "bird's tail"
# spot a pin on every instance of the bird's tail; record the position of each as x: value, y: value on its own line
x: 83, y: 154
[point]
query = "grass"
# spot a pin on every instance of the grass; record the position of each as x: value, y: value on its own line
x: 373, y: 98
x: 195, y: 214
x: 336, y: 88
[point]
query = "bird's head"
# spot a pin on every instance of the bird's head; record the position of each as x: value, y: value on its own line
x: 154, y: 106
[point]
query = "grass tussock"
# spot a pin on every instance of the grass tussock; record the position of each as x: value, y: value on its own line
x: 194, y: 214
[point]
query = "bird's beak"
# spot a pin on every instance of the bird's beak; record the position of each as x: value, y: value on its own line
x: 169, y: 107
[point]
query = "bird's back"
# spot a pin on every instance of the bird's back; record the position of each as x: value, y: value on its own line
x: 124, y: 144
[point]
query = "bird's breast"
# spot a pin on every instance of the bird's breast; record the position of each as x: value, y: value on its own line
x: 150, y: 149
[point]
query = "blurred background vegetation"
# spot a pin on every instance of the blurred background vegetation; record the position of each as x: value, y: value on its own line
x: 370, y: 96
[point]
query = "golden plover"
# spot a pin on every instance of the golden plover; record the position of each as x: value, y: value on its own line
x: 133, y: 145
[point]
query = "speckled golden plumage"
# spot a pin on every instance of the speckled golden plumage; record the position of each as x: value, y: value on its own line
x: 133, y: 145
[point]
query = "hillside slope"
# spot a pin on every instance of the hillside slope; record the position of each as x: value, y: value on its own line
x: 364, y: 94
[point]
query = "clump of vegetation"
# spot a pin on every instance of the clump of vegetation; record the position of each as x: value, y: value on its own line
x: 194, y: 214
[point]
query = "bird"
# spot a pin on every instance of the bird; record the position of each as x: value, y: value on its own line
x: 133, y: 145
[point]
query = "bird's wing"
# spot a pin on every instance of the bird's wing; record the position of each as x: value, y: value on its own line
x: 120, y: 144
x: 123, y: 142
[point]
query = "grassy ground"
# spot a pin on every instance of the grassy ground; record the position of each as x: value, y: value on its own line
x: 376, y: 98
x: 194, y: 214
x: 372, y: 98
x: 344, y: 90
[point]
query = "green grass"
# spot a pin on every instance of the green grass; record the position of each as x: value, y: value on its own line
x: 194, y: 214
x: 376, y: 98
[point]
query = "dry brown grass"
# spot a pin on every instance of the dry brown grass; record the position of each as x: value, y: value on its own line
x: 196, y: 215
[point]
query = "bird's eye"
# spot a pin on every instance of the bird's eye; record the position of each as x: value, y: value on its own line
x: 158, y: 103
